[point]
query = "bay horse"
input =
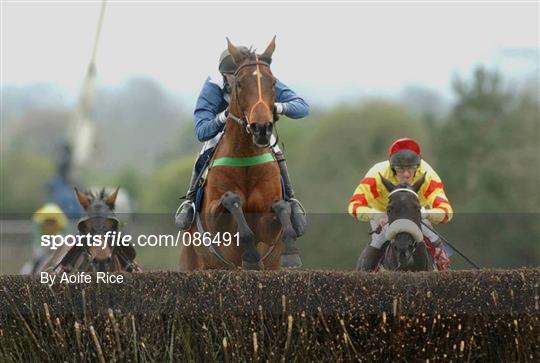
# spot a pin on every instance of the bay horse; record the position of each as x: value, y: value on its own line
x: 407, y: 250
x: 242, y: 191
x: 98, y: 219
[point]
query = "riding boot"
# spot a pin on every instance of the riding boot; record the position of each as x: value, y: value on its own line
x: 186, y: 212
x: 298, y: 213
x: 369, y: 259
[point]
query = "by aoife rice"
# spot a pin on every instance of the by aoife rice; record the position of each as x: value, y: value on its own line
x: 81, y: 278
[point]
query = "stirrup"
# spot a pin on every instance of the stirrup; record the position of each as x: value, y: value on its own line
x: 177, y: 214
x: 299, y: 204
x: 298, y: 218
x: 187, y: 201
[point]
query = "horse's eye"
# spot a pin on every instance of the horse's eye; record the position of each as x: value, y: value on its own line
x: 238, y: 82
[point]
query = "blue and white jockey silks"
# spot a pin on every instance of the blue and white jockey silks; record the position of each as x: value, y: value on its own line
x: 214, y: 99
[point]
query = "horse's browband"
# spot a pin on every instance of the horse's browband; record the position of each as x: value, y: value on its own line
x: 402, y: 190
x: 251, y: 63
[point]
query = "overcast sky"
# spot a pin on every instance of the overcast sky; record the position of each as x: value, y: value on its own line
x: 328, y: 51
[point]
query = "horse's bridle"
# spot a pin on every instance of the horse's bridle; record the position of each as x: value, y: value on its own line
x: 415, y: 242
x: 404, y: 190
x: 245, y: 121
x: 108, y: 215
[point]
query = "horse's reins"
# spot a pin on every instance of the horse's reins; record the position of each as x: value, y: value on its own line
x: 245, y: 121
x: 434, y: 231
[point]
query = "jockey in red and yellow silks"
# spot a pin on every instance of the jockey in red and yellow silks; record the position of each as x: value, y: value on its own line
x: 370, y: 198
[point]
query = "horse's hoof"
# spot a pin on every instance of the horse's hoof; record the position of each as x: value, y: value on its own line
x: 290, y: 261
x: 252, y: 265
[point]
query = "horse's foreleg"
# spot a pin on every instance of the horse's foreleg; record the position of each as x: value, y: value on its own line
x: 290, y: 256
x: 189, y: 261
x: 424, y: 259
x: 250, y: 257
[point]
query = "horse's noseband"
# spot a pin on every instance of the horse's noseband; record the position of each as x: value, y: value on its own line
x: 404, y: 225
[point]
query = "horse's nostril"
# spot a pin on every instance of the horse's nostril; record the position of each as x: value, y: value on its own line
x: 109, y: 259
x: 269, y: 129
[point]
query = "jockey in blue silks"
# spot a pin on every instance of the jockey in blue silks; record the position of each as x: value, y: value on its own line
x: 60, y: 188
x: 210, y: 114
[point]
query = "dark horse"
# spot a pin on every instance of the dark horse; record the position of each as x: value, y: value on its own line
x: 243, y: 198
x: 407, y: 250
x: 98, y: 219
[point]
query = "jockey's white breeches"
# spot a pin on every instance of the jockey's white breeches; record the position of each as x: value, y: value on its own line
x: 378, y: 239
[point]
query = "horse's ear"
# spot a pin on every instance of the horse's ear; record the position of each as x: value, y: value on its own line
x: 236, y: 54
x: 84, y: 201
x: 416, y: 186
x: 387, y: 183
x: 267, y: 54
x: 111, y: 199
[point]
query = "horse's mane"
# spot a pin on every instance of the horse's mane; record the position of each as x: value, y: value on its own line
x: 249, y: 53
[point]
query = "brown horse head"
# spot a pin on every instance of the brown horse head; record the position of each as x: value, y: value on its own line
x: 253, y: 94
x: 99, y: 219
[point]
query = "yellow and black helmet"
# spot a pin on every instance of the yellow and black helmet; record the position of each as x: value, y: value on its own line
x: 50, y: 212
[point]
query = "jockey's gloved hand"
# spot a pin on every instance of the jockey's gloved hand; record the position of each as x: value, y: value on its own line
x: 280, y: 108
x: 380, y: 218
x: 222, y: 117
x: 424, y: 212
x: 437, y: 243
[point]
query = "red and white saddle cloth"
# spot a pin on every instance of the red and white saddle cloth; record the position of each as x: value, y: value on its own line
x: 440, y: 257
